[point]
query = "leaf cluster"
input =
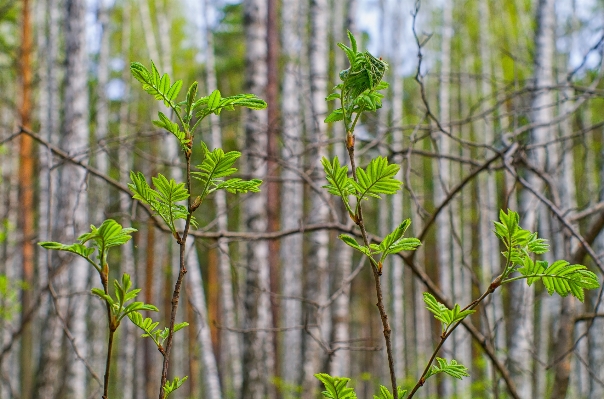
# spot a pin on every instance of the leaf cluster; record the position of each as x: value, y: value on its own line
x: 164, y: 199
x: 336, y: 387
x: 173, y: 385
x: 560, y: 277
x: 452, y: 368
x: 150, y: 328
x: 110, y: 234
x: 361, y: 83
x: 393, y: 243
x: 448, y: 317
x: 119, y: 306
x: 217, y: 165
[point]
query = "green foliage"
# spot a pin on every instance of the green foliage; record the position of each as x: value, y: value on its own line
x: 336, y: 387
x: 453, y: 369
x: 386, y: 394
x: 361, y: 83
x: 119, y: 306
x: 164, y: 200
x: 446, y: 316
x: 172, y: 386
x: 150, y: 328
x: 560, y: 277
x: 156, y: 85
x: 215, y: 166
x: 9, y: 297
x: 110, y: 234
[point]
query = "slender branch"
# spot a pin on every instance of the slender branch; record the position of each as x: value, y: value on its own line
x: 181, y: 274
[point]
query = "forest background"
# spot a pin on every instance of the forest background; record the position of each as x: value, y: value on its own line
x: 491, y: 105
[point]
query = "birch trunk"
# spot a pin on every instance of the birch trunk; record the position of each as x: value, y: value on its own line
x: 317, y: 281
x: 292, y: 194
x: 443, y: 175
x: 129, y: 334
x: 232, y: 355
x: 257, y: 355
x: 521, y: 340
x: 73, y: 181
x: 51, y: 342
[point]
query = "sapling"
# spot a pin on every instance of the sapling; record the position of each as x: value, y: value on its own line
x: 170, y: 203
x: 358, y: 93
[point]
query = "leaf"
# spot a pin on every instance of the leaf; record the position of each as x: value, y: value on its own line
x: 335, y: 387
x: 158, y: 87
x: 377, y: 178
x: 339, y: 183
x: 191, y: 94
x: 215, y: 166
x: 453, y: 369
x: 386, y: 394
x: 560, y: 277
x: 214, y: 100
x: 172, y: 386
x: 351, y: 242
x: 162, y: 201
x: 165, y: 123
x: 215, y: 103
x: 443, y: 314
x: 333, y: 96
x: 335, y: 116
x: 394, y: 242
x: 101, y: 294
x: 77, y: 249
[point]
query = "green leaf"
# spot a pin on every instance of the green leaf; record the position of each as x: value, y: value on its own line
x: 77, y: 249
x: 165, y: 123
x: 214, y: 100
x: 395, y: 242
x: 336, y: 387
x: 162, y: 201
x: 336, y: 115
x: 386, y: 394
x: 158, y: 87
x: 351, y: 242
x: 560, y: 277
x: 443, y: 314
x: 453, y: 369
x: 377, y: 178
x: 333, y: 96
x: 172, y: 386
x: 101, y: 294
x: 215, y: 166
x: 339, y: 183
x: 191, y: 94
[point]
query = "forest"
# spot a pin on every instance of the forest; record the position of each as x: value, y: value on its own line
x: 301, y: 199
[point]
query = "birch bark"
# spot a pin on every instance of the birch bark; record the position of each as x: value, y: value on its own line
x: 232, y: 355
x: 257, y: 362
x: 73, y: 180
x: 292, y: 194
x: 522, y: 332
x: 317, y: 281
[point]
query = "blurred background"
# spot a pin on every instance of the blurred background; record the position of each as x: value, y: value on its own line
x: 491, y: 105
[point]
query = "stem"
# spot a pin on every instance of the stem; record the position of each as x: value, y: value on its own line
x: 374, y: 268
x: 108, y: 364
x: 176, y: 295
x: 422, y: 380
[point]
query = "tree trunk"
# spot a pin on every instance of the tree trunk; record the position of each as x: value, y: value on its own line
x: 257, y: 356
x: 317, y: 281
x: 292, y: 194
x: 232, y: 355
x: 73, y: 181
x: 26, y: 199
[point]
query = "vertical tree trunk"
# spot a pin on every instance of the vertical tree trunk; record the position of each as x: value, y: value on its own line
x: 442, y: 177
x: 317, y: 282
x: 73, y: 180
x: 232, y: 355
x: 26, y: 199
x: 257, y: 359
x: 522, y: 333
x: 292, y: 194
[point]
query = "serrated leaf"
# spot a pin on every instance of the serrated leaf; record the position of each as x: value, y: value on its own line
x: 214, y: 100
x: 453, y: 369
x: 101, y: 294
x: 335, y: 116
x: 377, y: 178
x: 173, y: 385
x: 395, y: 242
x: 339, y: 183
x: 158, y: 87
x: 351, y: 242
x: 336, y: 387
x: 333, y: 96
